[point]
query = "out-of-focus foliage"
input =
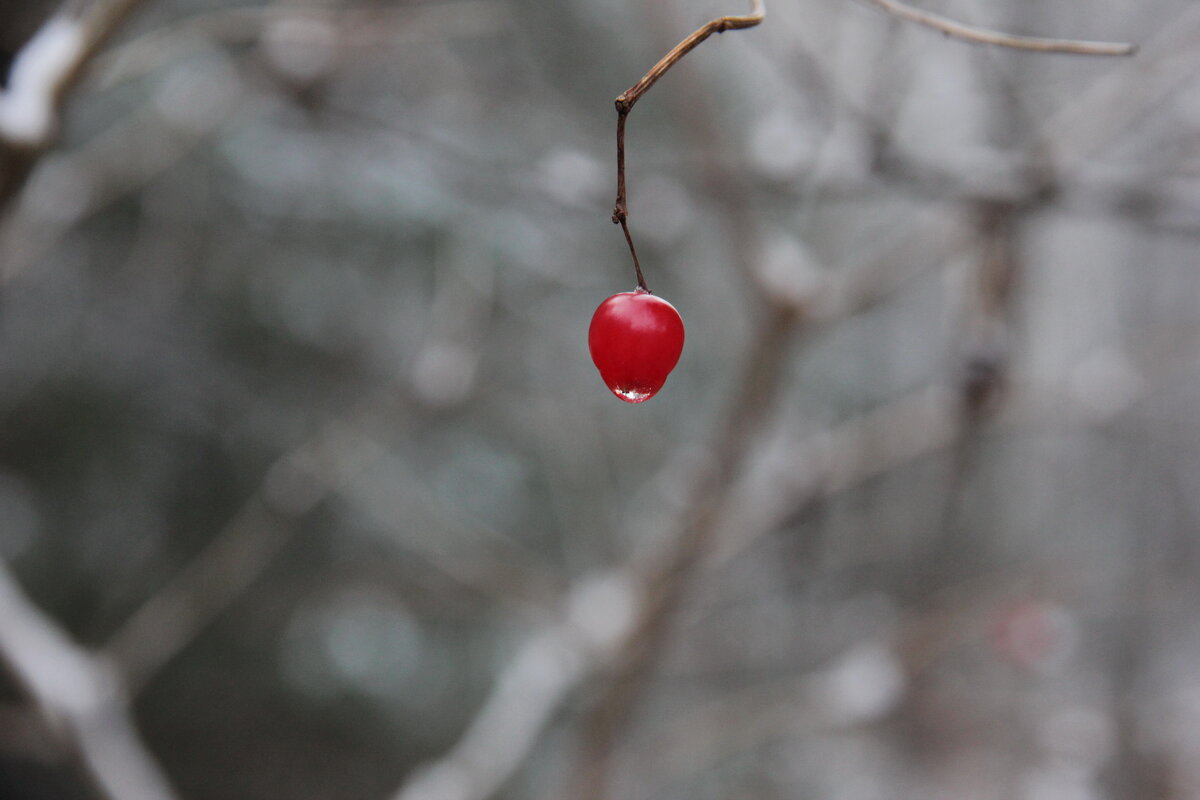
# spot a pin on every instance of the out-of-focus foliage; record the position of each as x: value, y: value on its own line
x: 383, y: 227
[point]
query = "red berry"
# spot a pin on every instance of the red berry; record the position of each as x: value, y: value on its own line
x: 635, y: 339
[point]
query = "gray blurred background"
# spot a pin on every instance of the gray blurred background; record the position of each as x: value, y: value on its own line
x: 301, y: 447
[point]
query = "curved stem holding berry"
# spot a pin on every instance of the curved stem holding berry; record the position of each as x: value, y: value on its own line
x: 626, y: 100
x: 637, y: 266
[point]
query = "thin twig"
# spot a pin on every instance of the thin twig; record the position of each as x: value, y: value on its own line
x: 973, y: 33
x: 80, y: 696
x: 626, y: 100
x: 322, y: 466
x: 240, y: 552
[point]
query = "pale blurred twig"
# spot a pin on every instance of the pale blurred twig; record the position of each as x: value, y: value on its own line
x: 926, y: 422
x: 238, y: 554
x: 44, y: 71
x: 973, y: 33
x: 81, y: 697
x: 70, y: 186
x: 551, y: 663
x: 298, y: 481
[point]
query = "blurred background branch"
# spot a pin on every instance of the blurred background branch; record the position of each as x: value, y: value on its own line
x: 80, y: 697
x: 304, y: 468
x: 972, y: 33
x: 41, y: 73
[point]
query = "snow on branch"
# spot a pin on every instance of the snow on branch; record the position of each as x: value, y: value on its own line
x: 48, y: 66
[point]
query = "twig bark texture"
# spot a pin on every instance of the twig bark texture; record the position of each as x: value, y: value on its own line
x: 626, y: 100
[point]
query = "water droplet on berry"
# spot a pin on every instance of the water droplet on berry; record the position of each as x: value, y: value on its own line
x: 632, y: 395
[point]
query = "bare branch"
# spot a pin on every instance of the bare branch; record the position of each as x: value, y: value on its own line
x: 549, y: 665
x: 296, y: 483
x: 239, y: 553
x: 1122, y: 97
x: 49, y: 65
x: 626, y: 100
x: 79, y: 695
x: 667, y: 576
x: 973, y: 33
x: 45, y: 70
x: 917, y: 425
x: 619, y: 618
